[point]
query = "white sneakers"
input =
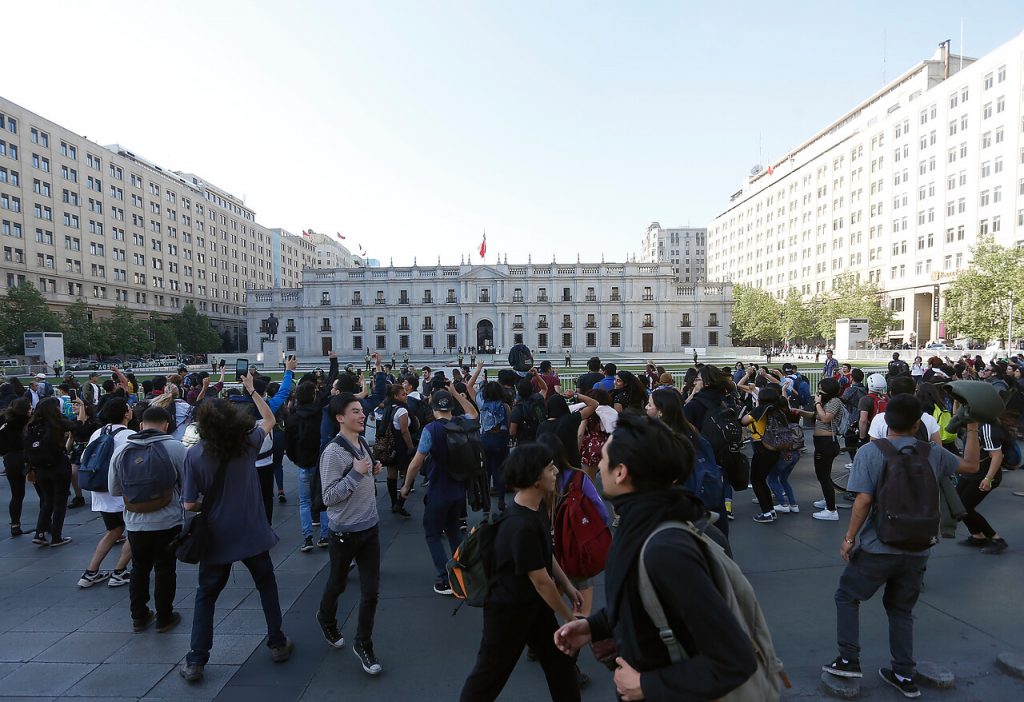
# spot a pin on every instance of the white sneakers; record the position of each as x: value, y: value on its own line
x: 820, y: 504
x: 826, y: 515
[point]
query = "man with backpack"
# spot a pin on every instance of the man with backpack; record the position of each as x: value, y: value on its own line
x: 662, y: 568
x: 528, y: 413
x: 851, y: 397
x: 93, y: 475
x: 446, y: 492
x: 146, y: 473
x: 896, y: 518
x: 896, y: 368
x: 302, y: 446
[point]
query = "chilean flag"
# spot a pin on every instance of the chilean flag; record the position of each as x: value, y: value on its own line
x: 483, y: 246
x: 340, y: 236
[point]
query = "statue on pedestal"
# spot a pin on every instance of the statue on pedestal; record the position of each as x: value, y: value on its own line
x: 272, y: 323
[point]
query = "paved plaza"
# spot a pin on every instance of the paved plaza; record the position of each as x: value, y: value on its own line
x: 57, y: 641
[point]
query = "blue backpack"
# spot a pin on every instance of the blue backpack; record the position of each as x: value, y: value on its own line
x: 492, y: 416
x: 706, y: 481
x: 802, y: 386
x: 95, y: 466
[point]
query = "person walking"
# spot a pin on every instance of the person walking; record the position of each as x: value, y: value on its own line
x: 46, y: 463
x: 224, y: 462
x: 828, y: 411
x: 975, y: 488
x: 12, y: 424
x: 302, y: 442
x: 521, y: 607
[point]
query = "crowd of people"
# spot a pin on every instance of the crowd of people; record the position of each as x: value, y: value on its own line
x: 631, y: 452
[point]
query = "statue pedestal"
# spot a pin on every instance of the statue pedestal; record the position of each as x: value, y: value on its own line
x: 273, y: 354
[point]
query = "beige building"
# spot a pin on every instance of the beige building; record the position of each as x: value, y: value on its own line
x: 895, y: 191
x: 331, y: 253
x: 682, y: 247
x: 101, y: 224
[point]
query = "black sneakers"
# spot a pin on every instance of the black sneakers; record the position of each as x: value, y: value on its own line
x: 323, y: 542
x: 141, y: 624
x: 906, y: 687
x: 364, y: 652
x: 443, y: 587
x: 996, y: 545
x: 307, y: 545
x: 331, y: 633
x: 162, y: 627
x: 192, y: 672
x: 280, y: 654
x: 843, y: 668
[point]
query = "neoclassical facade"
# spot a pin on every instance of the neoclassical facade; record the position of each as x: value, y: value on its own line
x: 552, y: 307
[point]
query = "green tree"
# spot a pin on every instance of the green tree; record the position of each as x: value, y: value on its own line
x: 755, y: 315
x: 162, y: 333
x: 797, y: 317
x: 81, y: 334
x: 24, y: 309
x: 850, y: 298
x: 125, y: 333
x: 978, y: 298
x: 194, y: 332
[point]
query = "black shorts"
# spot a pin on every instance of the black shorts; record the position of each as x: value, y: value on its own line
x: 112, y: 520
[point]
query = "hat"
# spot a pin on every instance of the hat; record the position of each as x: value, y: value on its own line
x: 441, y: 400
x: 788, y: 368
x: 41, y: 376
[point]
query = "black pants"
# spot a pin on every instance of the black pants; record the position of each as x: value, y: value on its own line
x: 826, y: 449
x: 13, y: 466
x: 364, y: 546
x: 507, y: 630
x: 969, y: 489
x: 151, y: 552
x: 53, y: 485
x: 853, y: 443
x: 266, y: 477
x: 760, y: 467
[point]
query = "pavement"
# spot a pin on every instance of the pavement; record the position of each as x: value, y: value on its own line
x: 58, y: 641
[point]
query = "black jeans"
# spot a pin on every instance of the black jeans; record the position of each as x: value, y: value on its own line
x: 902, y: 576
x: 266, y: 478
x: 53, y: 486
x: 760, y: 467
x: 212, y: 579
x: 826, y: 448
x: 364, y: 546
x: 151, y: 552
x: 507, y: 630
x: 495, y: 452
x: 13, y: 467
x: 969, y: 489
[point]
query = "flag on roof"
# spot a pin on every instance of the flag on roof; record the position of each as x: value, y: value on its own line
x: 483, y: 246
x: 340, y: 236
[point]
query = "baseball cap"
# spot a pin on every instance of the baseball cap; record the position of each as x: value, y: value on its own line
x: 788, y: 368
x: 41, y: 376
x: 441, y: 400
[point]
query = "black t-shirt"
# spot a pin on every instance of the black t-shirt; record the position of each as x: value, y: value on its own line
x: 522, y: 545
x: 587, y: 381
x: 566, y: 428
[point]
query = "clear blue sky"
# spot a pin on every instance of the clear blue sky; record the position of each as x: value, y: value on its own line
x: 410, y: 126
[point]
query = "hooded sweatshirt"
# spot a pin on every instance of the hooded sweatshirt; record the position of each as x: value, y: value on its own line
x: 169, y: 516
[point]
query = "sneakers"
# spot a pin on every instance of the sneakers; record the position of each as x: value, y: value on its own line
x: 828, y: 515
x: 172, y: 621
x: 279, y: 654
x: 316, y: 521
x: 280, y: 497
x: 793, y: 509
x: 766, y: 518
x: 400, y: 511
x: 996, y: 545
x: 463, y: 525
x: 192, y: 672
x: 331, y: 633
x: 16, y: 530
x: 323, y: 542
x: 781, y: 508
x: 973, y: 542
x: 906, y: 687
x: 820, y: 504
x: 843, y: 668
x: 307, y: 545
x: 443, y: 587
x: 60, y: 542
x: 139, y: 625
x: 40, y: 539
x: 76, y: 502
x: 90, y: 578
x: 120, y: 578
x: 364, y: 652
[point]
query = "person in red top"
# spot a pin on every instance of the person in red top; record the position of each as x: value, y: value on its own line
x: 549, y: 377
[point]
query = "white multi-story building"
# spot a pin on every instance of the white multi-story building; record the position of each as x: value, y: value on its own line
x: 553, y: 307
x: 683, y: 247
x: 895, y: 191
x: 290, y: 255
x: 331, y: 253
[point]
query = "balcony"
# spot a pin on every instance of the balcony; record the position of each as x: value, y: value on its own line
x: 290, y: 330
x: 648, y: 324
x: 450, y: 300
x: 427, y: 327
x: 685, y: 322
x: 647, y: 297
x: 591, y: 325
x: 566, y: 325
x: 403, y: 301
x: 403, y: 327
x: 324, y: 302
x: 542, y: 325
x: 427, y: 300
x: 485, y: 298
x: 380, y: 328
x: 517, y: 325
x: 590, y: 298
x: 517, y: 298
x: 451, y: 327
x: 357, y: 327
x: 713, y: 323
x: 357, y: 301
x: 380, y: 301
x: 615, y: 297
x: 542, y: 298
x: 325, y: 327
x: 615, y: 325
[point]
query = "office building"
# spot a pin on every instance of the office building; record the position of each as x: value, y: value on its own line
x: 682, y: 247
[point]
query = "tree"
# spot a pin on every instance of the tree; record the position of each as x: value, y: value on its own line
x: 81, y: 334
x: 194, y: 332
x: 978, y: 298
x: 24, y: 309
x: 850, y: 298
x: 797, y: 317
x: 163, y: 335
x: 125, y: 333
x: 755, y: 315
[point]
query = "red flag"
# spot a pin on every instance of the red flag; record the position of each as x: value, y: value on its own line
x: 305, y: 233
x: 340, y: 236
x: 483, y: 246
x: 770, y: 170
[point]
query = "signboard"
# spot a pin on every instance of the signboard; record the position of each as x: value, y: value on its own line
x: 851, y: 334
x: 935, y: 303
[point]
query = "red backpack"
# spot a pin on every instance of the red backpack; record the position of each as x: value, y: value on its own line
x: 594, y: 438
x: 582, y: 539
x: 881, y: 403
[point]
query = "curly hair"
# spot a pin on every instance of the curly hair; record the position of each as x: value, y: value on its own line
x: 224, y: 428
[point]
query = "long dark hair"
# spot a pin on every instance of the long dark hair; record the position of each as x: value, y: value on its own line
x: 18, y: 410
x: 670, y: 404
x: 829, y: 388
x: 48, y: 412
x: 636, y: 393
x: 224, y: 429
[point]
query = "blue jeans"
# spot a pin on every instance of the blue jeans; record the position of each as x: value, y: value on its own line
x: 305, y: 504
x: 212, y: 579
x: 778, y: 479
x: 442, y: 516
x: 495, y: 452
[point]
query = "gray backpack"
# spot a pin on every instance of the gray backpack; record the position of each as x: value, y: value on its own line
x: 765, y: 685
x: 147, y: 477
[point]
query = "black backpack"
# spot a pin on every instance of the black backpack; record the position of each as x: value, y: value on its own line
x: 302, y: 437
x: 906, y: 504
x: 534, y: 415
x: 851, y: 398
x: 722, y: 428
x: 465, y: 449
x: 40, y: 450
x: 897, y: 368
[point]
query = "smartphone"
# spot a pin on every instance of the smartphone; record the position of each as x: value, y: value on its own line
x: 73, y: 394
x: 223, y: 363
x: 241, y: 368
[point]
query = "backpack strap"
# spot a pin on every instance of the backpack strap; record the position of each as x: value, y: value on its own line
x: 649, y: 598
x: 888, y: 450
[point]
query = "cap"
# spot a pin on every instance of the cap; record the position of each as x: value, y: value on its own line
x: 41, y: 376
x: 788, y: 367
x: 183, y: 367
x: 441, y: 400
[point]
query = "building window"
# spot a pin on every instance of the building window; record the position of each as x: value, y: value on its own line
x: 382, y: 342
x: 712, y: 338
x: 616, y: 339
x: 452, y: 341
x: 542, y: 341
x: 289, y: 343
x: 566, y: 295
x: 648, y: 295
x: 403, y: 341
x: 684, y: 338
x: 357, y: 343
x: 566, y: 340
x: 591, y: 339
x: 428, y: 341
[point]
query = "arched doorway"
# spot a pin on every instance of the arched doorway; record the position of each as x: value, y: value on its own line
x: 484, y: 335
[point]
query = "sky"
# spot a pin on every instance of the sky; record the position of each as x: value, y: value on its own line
x: 561, y: 129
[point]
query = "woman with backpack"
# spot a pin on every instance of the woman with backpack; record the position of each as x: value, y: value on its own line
x: 828, y: 413
x: 79, y: 439
x: 494, y: 418
x: 771, y: 406
x: 44, y: 446
x: 594, y: 432
x: 12, y: 424
x: 397, y: 436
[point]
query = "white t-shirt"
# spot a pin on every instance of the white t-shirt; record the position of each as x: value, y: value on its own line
x: 879, y: 429
x: 104, y: 501
x: 399, y: 413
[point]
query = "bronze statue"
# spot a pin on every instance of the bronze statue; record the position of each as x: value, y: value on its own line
x: 271, y: 323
